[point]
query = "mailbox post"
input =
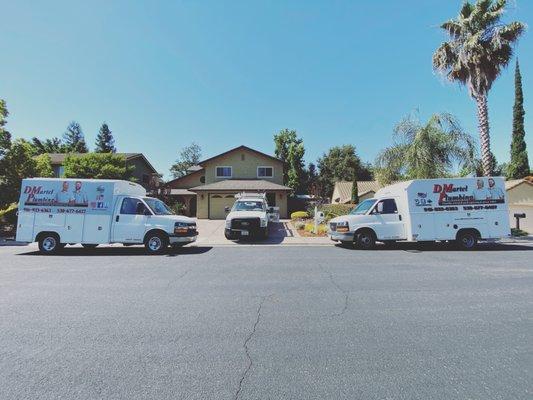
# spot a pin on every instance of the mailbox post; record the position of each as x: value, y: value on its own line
x: 518, y: 216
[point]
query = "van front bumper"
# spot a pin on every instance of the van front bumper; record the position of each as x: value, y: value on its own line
x: 182, y: 239
x: 341, y: 237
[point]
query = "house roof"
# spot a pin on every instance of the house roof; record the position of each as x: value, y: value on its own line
x: 515, y: 182
x: 242, y: 147
x: 189, y: 173
x: 241, y: 185
x: 181, y: 192
x: 343, y: 190
x: 194, y: 168
x: 59, y: 158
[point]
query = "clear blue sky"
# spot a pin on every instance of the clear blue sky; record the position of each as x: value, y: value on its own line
x: 222, y: 74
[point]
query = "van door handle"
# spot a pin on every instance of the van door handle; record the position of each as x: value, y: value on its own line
x: 117, y: 218
x: 399, y: 217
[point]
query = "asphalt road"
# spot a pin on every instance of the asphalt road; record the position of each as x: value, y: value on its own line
x: 266, y: 322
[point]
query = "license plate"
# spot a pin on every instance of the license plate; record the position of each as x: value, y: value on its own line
x: 244, y: 233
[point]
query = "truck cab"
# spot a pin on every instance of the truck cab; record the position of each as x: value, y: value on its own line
x: 248, y: 217
x: 373, y: 219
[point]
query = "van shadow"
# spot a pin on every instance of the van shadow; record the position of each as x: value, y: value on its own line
x: 441, y: 246
x: 277, y: 232
x: 123, y: 251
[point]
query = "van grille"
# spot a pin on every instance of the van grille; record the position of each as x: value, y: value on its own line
x: 245, y: 223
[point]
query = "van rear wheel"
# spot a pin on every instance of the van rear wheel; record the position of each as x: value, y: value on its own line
x: 467, y: 240
x: 49, y: 243
x: 156, y: 243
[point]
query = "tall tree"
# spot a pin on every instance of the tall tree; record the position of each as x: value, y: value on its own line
x: 355, y: 191
x: 480, y: 46
x: 74, y: 139
x: 188, y: 157
x: 5, y: 136
x: 311, y: 179
x: 426, y: 151
x: 340, y: 163
x: 53, y: 145
x: 290, y: 149
x: 105, y: 143
x: 519, y: 164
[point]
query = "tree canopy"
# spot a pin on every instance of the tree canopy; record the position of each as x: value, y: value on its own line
x: 97, y: 166
x: 424, y: 151
x: 290, y: 149
x: 188, y: 156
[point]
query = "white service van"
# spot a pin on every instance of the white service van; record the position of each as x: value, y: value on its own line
x: 56, y: 212
x: 464, y: 210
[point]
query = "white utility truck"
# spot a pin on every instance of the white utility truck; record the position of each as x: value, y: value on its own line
x: 249, y: 216
x: 463, y: 210
x: 56, y: 212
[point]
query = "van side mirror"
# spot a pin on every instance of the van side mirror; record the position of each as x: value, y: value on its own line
x: 271, y: 210
x: 226, y: 209
x: 379, y: 208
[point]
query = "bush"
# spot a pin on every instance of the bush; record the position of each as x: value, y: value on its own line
x: 299, y: 225
x: 299, y: 215
x: 518, y: 232
x: 9, y: 215
x: 309, y: 227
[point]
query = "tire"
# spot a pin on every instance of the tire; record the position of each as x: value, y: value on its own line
x: 264, y: 233
x: 229, y: 236
x: 466, y: 240
x: 365, y: 240
x: 156, y: 243
x: 346, y: 244
x: 89, y: 245
x: 49, y: 243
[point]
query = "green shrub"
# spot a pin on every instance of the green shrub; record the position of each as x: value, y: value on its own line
x: 8, y: 216
x: 299, y: 215
x: 299, y: 225
x: 518, y: 232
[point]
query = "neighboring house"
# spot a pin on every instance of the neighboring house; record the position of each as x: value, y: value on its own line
x: 212, y: 185
x: 342, y: 192
x: 143, y: 172
x: 519, y: 192
x: 520, y: 196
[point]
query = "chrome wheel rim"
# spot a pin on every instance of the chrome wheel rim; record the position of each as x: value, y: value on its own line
x: 154, y: 243
x: 49, y: 243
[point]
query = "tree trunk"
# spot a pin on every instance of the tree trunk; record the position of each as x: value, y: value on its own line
x: 484, y: 134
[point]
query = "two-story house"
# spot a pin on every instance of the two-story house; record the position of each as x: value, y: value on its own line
x: 211, y: 186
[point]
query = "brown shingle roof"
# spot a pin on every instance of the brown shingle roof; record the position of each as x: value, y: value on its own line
x: 241, y: 185
x: 343, y: 190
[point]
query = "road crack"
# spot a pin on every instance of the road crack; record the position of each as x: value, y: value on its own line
x: 176, y: 279
x: 247, y: 349
x: 341, y: 290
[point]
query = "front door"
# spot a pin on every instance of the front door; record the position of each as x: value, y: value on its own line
x: 389, y: 222
x: 129, y: 223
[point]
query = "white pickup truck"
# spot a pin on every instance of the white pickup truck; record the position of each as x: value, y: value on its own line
x: 56, y: 212
x: 249, y: 217
x: 463, y: 210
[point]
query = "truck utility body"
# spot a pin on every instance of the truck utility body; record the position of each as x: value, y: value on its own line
x: 463, y: 209
x: 55, y: 212
x: 249, y: 217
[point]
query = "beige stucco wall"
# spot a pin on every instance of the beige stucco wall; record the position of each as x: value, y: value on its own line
x: 187, y: 181
x: 521, y: 201
x: 243, y: 169
x: 202, y: 205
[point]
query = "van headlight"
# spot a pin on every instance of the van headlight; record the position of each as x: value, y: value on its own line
x: 343, y: 227
x: 263, y: 222
x: 228, y: 223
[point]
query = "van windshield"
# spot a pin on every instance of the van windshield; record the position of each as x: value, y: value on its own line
x: 249, y: 205
x: 157, y: 206
x: 363, y: 207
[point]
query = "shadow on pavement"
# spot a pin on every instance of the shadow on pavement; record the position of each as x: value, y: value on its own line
x: 277, y: 232
x: 12, y: 243
x: 421, y: 247
x: 123, y: 251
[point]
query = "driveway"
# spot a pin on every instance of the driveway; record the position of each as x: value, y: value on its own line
x: 211, y: 232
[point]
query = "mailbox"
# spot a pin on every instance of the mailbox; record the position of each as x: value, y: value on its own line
x: 518, y: 216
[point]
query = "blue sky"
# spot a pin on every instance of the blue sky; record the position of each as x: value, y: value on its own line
x: 166, y: 73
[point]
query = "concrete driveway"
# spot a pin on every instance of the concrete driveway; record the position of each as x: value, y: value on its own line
x: 211, y: 232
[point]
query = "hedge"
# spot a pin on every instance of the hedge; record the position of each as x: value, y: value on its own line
x: 299, y: 215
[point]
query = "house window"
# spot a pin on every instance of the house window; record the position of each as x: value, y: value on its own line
x: 265, y: 172
x: 223, y: 172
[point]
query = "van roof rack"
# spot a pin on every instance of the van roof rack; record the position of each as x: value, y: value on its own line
x: 243, y: 195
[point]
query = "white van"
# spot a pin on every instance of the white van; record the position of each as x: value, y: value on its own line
x: 464, y: 210
x: 56, y: 212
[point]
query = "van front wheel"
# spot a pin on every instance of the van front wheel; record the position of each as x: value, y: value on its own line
x: 156, y: 243
x: 365, y: 240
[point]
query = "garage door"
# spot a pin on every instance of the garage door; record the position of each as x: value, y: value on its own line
x: 217, y: 203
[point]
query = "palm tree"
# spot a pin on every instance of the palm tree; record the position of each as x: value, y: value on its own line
x: 425, y: 151
x: 480, y: 47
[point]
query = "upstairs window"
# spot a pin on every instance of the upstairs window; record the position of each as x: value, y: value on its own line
x: 265, y: 172
x: 223, y: 172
